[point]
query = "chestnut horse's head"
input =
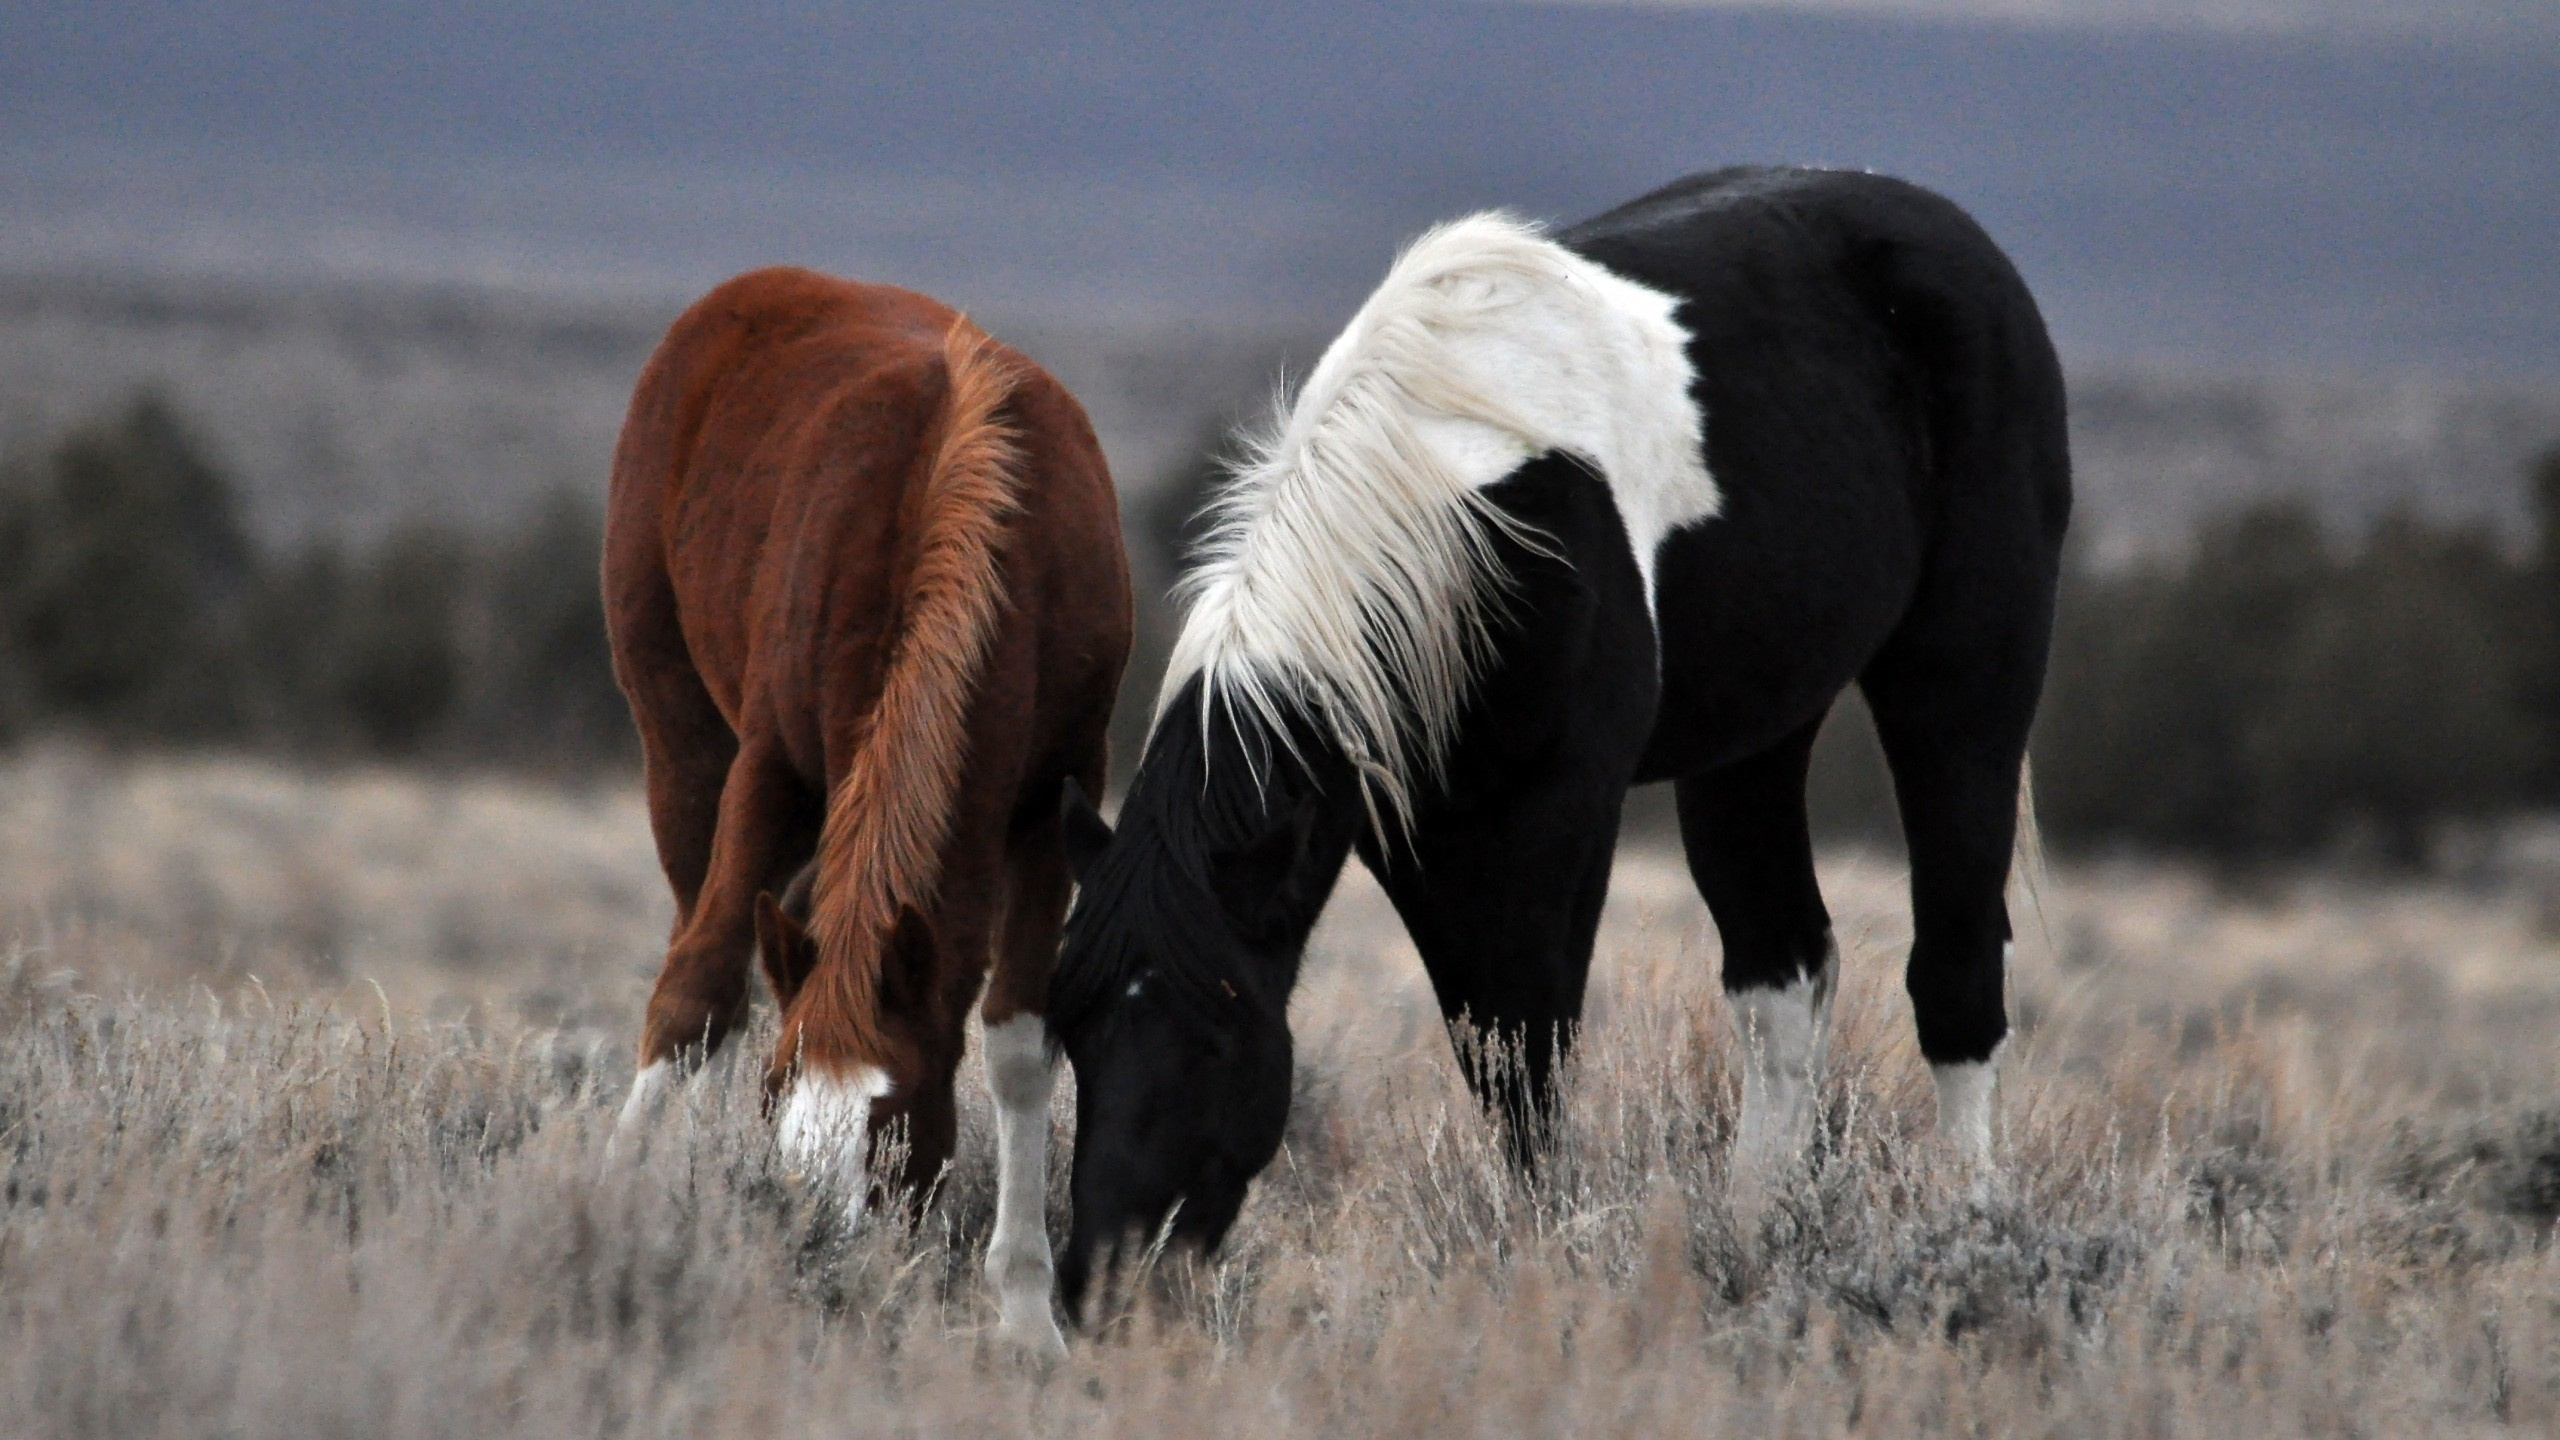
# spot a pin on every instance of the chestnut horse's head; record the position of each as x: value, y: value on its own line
x: 832, y: 1109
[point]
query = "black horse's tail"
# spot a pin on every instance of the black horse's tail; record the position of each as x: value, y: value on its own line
x: 2026, y: 857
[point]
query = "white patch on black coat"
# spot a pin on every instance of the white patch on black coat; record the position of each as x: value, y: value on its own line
x: 1350, y: 566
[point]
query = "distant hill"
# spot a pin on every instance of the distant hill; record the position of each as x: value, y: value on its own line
x: 2338, y: 199
x: 2156, y: 448
x: 343, y: 409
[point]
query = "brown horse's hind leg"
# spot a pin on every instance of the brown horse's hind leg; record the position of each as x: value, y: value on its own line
x: 1021, y: 1073
x: 686, y: 745
x: 765, y: 831
x: 1035, y: 905
x: 686, y: 751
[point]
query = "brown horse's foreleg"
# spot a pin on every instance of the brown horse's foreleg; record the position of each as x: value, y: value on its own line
x: 1021, y: 1073
x: 763, y: 834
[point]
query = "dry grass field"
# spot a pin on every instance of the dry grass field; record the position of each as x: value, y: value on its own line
x: 305, y: 1087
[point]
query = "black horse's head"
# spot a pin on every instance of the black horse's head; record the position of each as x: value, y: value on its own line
x: 1171, y: 1001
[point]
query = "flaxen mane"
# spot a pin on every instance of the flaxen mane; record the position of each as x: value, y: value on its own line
x: 1350, y: 572
x: 880, y: 854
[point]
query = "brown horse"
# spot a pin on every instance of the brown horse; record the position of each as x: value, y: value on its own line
x: 867, y: 597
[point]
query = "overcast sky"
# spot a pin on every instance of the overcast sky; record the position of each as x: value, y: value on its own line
x: 2312, y: 184
x: 2485, y: 19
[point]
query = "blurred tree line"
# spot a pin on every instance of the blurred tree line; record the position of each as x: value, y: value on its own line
x: 2273, y: 693
x: 136, y: 607
x: 2278, y: 693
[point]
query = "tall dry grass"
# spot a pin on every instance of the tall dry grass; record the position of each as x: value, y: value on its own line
x: 2282, y: 1163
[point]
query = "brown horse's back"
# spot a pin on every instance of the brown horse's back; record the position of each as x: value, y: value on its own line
x: 767, y: 446
x: 793, y: 513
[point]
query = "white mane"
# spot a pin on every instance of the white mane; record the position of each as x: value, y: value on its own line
x: 1350, y: 566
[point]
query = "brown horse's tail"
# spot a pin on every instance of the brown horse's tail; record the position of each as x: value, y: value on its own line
x: 880, y: 854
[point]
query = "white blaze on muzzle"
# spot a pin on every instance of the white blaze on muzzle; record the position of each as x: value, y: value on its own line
x: 825, y: 1131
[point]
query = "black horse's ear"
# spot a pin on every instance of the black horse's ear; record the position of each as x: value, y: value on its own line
x: 1262, y: 878
x: 1085, y: 831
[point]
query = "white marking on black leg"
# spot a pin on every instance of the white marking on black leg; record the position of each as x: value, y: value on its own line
x: 1966, y: 1090
x: 825, y: 1132
x: 1021, y: 1072
x: 1781, y: 1033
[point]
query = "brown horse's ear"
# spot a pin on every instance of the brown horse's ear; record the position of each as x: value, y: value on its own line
x: 907, y: 968
x: 784, y: 945
x: 1084, y: 830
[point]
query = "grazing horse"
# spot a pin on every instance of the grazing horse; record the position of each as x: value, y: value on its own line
x: 1553, y: 516
x: 867, y: 597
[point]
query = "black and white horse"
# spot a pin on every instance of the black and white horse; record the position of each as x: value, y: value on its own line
x: 1553, y: 516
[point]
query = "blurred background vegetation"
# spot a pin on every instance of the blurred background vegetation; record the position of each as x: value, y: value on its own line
x: 137, y: 608
x: 2272, y: 691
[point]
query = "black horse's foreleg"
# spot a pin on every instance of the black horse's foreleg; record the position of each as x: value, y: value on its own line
x: 1504, y: 906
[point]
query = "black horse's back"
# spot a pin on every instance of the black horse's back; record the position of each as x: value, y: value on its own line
x: 1886, y: 286
x: 1881, y: 400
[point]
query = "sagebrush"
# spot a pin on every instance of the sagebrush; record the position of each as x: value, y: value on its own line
x: 2277, y: 1164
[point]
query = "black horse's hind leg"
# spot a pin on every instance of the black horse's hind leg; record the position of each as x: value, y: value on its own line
x: 1955, y: 739
x: 1751, y: 853
x: 1504, y: 906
